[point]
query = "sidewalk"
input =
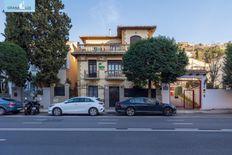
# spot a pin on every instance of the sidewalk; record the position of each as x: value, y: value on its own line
x: 181, y: 111
x: 208, y: 111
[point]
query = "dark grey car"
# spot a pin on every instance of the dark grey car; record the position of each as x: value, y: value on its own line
x: 143, y: 104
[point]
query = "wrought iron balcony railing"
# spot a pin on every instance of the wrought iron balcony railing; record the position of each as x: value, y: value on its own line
x: 91, y: 75
x: 115, y: 75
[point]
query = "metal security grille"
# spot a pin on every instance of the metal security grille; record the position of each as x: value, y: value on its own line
x: 138, y: 92
x: 59, y: 91
x: 93, y: 91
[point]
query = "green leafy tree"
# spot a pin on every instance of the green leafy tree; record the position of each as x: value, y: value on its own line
x: 227, y: 78
x: 13, y: 63
x: 173, y: 60
x: 44, y: 35
x: 154, y: 60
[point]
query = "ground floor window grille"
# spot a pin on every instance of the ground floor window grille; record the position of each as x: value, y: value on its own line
x: 93, y: 91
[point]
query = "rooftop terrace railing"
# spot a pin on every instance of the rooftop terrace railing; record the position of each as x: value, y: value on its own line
x: 103, y: 47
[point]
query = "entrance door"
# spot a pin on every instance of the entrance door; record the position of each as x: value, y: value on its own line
x: 113, y: 95
x: 189, y: 99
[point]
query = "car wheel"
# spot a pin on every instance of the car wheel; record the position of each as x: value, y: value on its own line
x: 57, y: 112
x: 168, y: 112
x: 130, y: 111
x: 93, y: 111
x: 2, y: 111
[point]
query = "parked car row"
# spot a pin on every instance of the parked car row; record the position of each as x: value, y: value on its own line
x: 95, y: 106
x: 8, y: 105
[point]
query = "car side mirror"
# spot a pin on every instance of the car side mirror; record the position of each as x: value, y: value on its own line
x: 65, y: 102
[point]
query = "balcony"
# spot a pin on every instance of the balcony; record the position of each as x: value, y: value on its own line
x: 91, y: 76
x: 101, y: 49
x: 115, y: 75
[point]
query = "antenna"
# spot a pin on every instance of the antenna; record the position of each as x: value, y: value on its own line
x: 109, y: 31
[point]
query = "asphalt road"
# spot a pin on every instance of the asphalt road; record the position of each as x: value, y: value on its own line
x: 187, y: 134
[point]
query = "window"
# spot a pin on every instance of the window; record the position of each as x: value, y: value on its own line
x: 93, y: 91
x: 137, y: 100
x: 92, y: 68
x: 73, y: 100
x: 88, y: 100
x: 81, y: 100
x: 59, y: 91
x: 150, y: 101
x: 114, y: 47
x: 114, y: 68
x: 134, y: 39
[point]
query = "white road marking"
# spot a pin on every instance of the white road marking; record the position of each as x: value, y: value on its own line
x: 183, y: 123
x: 2, y: 140
x: 175, y: 120
x: 41, y: 119
x: 108, y: 119
x: 187, y: 129
x: 229, y: 130
x: 115, y: 130
x: 106, y: 123
x: 32, y: 122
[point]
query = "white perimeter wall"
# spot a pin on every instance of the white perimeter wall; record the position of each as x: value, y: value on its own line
x: 217, y: 99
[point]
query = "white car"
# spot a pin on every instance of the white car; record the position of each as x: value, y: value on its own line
x: 78, y: 105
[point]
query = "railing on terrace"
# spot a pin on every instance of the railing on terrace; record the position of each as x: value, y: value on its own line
x: 103, y: 47
x: 115, y: 74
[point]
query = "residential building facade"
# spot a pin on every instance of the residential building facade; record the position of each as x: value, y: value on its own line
x: 99, y: 63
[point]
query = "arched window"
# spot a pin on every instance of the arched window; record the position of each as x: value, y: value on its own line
x: 134, y: 39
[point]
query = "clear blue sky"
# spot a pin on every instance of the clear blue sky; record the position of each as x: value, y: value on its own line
x: 195, y: 21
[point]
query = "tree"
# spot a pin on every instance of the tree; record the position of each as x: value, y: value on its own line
x: 47, y: 33
x: 18, y: 29
x: 212, y: 56
x: 13, y: 63
x: 227, y: 78
x: 199, y: 53
x: 154, y: 60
